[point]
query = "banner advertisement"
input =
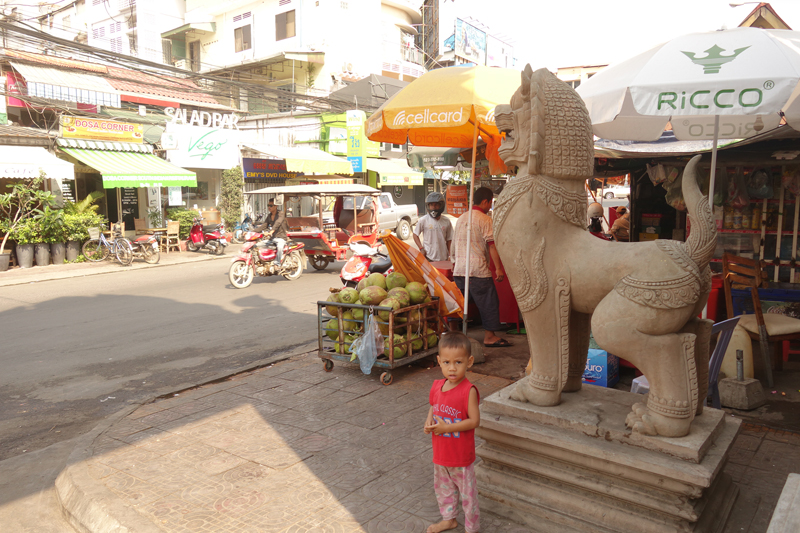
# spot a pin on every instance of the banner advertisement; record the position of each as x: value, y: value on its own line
x: 267, y: 170
x: 198, y: 147
x: 457, y: 200
x: 356, y: 139
x: 470, y: 43
x: 100, y: 130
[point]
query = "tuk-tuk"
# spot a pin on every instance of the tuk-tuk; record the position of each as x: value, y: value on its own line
x: 355, y: 219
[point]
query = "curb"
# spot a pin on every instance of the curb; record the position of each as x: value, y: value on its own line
x: 87, y: 504
x: 55, y: 276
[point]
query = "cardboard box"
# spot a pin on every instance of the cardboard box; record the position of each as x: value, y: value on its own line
x: 648, y: 236
x: 602, y: 368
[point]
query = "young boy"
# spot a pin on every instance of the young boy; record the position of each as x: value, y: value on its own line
x: 452, y: 419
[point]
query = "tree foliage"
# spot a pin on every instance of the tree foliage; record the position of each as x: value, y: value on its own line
x: 231, y: 196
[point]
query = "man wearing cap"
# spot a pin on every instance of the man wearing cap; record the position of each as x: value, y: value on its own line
x: 436, y: 230
x: 276, y: 229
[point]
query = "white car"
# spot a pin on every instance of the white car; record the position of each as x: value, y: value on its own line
x: 616, y: 192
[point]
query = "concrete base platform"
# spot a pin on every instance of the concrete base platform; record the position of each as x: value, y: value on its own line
x: 576, y: 468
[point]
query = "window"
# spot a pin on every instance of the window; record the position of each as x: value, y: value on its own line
x: 284, y: 25
x: 241, y: 36
x: 194, y: 56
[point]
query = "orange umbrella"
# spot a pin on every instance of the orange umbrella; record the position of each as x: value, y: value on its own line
x: 449, y: 107
x: 413, y: 265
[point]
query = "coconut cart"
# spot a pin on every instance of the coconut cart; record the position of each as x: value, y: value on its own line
x: 338, y: 328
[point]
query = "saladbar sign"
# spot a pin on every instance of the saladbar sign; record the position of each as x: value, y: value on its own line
x: 200, y: 139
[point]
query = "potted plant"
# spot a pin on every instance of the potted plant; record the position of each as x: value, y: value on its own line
x: 25, y: 234
x: 5, y: 257
x: 78, y: 218
x: 20, y: 204
x: 154, y: 217
x: 53, y: 233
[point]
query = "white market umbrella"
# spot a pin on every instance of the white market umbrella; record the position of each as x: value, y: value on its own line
x: 728, y: 84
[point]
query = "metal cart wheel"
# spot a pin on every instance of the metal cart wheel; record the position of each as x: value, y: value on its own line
x: 328, y: 365
x: 386, y: 378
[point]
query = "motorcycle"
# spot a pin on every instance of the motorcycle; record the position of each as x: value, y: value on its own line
x: 364, y: 261
x: 211, y: 237
x: 257, y: 256
x: 237, y: 236
x: 146, y: 247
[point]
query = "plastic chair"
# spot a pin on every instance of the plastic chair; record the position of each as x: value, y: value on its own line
x: 725, y: 330
x: 172, y: 238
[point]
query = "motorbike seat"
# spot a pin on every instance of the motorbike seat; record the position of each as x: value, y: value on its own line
x: 210, y: 228
x: 380, y: 264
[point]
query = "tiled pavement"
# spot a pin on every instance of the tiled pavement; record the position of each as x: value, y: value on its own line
x: 291, y: 448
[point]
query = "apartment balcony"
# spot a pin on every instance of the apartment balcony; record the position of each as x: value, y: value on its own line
x: 402, y: 62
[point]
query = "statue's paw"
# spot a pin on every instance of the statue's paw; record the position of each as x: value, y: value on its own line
x: 639, y: 420
x: 516, y: 394
x: 525, y: 391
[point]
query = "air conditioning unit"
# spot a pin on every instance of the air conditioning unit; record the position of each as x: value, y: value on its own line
x: 182, y: 63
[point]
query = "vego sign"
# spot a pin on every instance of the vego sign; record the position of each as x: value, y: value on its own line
x: 198, y: 147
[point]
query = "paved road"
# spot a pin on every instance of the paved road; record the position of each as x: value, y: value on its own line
x: 74, y: 351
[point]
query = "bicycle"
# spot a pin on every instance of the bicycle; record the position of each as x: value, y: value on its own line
x: 98, y: 248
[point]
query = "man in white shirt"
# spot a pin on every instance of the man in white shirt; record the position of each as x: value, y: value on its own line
x: 436, y: 230
x: 481, y: 285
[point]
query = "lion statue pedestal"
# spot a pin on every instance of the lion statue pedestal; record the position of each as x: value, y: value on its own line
x: 560, y: 457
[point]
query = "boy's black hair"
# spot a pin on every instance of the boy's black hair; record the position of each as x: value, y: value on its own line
x: 455, y: 340
x: 481, y: 194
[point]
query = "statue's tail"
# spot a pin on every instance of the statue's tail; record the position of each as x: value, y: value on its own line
x: 703, y: 235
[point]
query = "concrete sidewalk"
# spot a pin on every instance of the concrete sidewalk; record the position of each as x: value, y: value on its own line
x: 21, y: 276
x: 291, y: 448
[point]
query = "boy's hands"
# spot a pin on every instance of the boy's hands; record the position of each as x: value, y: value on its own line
x: 436, y: 426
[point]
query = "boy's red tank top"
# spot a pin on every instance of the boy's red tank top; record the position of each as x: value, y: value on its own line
x: 457, y: 449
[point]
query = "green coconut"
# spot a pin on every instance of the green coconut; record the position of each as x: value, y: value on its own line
x: 416, y: 342
x: 372, y: 295
x: 433, y: 340
x: 395, y: 279
x: 332, y: 309
x: 376, y: 280
x: 417, y: 292
x: 388, y: 302
x: 399, y: 348
x: 332, y: 329
x: 361, y: 285
x: 401, y: 295
x: 348, y: 321
x: 348, y: 296
x: 358, y: 314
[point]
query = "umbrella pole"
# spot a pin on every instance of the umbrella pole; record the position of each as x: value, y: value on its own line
x: 713, y: 165
x: 469, y: 224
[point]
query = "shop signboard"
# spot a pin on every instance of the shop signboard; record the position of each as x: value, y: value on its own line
x: 174, y: 196
x: 201, y: 147
x: 401, y: 180
x: 457, y: 200
x: 130, y: 205
x: 470, y: 43
x: 337, y: 141
x: 100, y: 130
x: 267, y: 170
x: 356, y: 139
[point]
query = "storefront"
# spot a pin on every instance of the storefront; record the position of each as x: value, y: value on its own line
x: 394, y: 175
x: 28, y: 162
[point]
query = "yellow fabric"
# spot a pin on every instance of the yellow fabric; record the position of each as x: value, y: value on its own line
x: 776, y: 324
x: 409, y: 262
x: 441, y: 107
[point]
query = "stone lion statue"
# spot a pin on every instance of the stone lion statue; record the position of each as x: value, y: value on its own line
x: 639, y: 299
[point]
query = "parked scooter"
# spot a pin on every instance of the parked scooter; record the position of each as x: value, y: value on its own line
x: 237, y: 236
x: 210, y: 237
x: 146, y: 247
x: 365, y: 260
x: 257, y: 256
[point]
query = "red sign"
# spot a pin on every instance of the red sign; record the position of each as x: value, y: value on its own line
x: 457, y: 200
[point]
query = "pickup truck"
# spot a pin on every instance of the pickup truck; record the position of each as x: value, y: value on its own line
x: 391, y: 216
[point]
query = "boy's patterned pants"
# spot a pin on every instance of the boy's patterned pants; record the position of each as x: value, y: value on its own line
x: 448, y: 483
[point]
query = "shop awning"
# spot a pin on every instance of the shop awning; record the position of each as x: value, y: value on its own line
x: 67, y: 86
x: 394, y: 171
x: 435, y: 158
x: 199, y: 27
x: 127, y: 169
x: 304, y: 159
x: 318, y: 190
x: 27, y: 161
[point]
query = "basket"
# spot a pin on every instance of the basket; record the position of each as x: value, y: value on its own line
x: 94, y: 233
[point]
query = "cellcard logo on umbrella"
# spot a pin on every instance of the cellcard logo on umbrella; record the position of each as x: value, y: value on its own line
x: 428, y: 118
x: 714, y: 59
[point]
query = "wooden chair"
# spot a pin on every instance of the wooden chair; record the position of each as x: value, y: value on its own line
x: 725, y: 330
x: 741, y: 272
x: 172, y: 238
x: 140, y: 225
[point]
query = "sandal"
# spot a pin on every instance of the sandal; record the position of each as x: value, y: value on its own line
x: 502, y: 343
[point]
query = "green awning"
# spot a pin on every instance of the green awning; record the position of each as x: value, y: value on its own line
x: 199, y: 27
x: 126, y: 169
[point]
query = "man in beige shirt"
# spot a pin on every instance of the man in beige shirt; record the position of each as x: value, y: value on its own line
x: 481, y: 285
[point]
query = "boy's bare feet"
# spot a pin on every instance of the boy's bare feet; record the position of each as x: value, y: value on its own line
x: 444, y: 525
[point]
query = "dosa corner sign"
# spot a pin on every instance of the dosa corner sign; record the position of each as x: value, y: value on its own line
x: 202, y: 118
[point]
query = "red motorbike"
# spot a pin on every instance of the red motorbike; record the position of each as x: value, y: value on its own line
x: 365, y: 260
x: 257, y: 256
x: 211, y: 237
